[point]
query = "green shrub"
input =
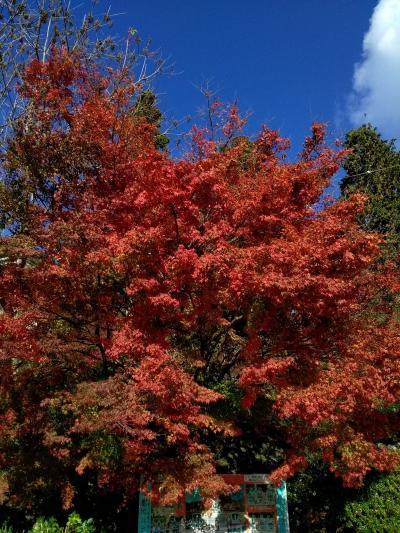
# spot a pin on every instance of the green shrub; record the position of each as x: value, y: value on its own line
x: 46, y: 525
x: 5, y: 528
x: 378, y: 508
x: 75, y: 524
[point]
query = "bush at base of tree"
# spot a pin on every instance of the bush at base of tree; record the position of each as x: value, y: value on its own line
x: 378, y: 508
x: 74, y: 524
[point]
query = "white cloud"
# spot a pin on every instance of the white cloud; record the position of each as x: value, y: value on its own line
x: 376, y: 82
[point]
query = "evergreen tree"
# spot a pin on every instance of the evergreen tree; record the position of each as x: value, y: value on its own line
x: 146, y: 108
x: 373, y: 167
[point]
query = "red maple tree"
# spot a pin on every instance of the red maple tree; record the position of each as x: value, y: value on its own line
x: 141, y: 281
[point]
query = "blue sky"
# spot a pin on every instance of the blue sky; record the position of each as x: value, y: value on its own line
x: 289, y: 62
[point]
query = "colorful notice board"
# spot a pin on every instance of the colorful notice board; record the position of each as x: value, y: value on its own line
x: 257, y: 507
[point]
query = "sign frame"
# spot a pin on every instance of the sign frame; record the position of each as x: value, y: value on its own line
x: 279, y: 509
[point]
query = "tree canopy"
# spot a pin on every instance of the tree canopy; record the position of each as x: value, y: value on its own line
x: 143, y: 288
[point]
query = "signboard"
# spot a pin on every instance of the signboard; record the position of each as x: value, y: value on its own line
x: 257, y: 507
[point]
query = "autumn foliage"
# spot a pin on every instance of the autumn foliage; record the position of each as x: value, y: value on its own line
x: 135, y: 283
